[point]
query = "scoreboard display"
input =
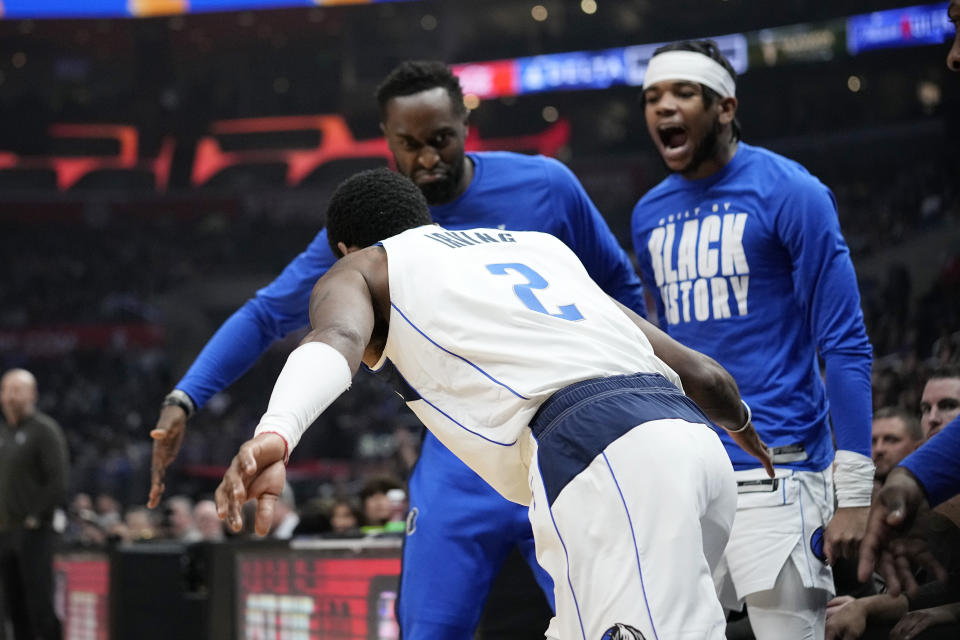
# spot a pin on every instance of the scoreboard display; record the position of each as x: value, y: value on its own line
x: 317, y: 593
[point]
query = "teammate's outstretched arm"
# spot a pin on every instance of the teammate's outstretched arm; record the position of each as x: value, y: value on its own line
x: 342, y: 312
x: 711, y: 386
x: 277, y: 309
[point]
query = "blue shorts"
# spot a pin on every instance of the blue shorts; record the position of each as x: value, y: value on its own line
x: 459, y: 533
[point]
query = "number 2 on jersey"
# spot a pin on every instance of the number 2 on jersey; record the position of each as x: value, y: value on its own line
x: 525, y: 291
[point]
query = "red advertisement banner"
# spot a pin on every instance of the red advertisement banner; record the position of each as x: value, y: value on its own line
x: 309, y: 598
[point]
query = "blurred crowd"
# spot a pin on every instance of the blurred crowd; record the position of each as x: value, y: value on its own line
x: 378, y: 506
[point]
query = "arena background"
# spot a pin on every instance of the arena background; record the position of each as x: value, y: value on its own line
x: 159, y: 161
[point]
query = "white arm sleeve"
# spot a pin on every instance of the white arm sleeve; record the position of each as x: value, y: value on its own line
x: 314, y: 376
x: 853, y: 479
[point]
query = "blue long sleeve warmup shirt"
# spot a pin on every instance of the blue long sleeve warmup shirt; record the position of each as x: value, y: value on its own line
x: 751, y: 268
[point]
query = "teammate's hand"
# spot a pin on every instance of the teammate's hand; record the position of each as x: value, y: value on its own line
x: 167, y: 438
x: 847, y: 623
x: 749, y: 440
x: 838, y: 603
x: 895, y: 541
x: 255, y: 473
x: 915, y: 622
x: 841, y: 538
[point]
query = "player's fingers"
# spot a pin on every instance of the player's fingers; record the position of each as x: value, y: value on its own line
x: 886, y: 568
x: 875, y: 533
x: 230, y: 496
x: 767, y: 460
x: 839, y: 601
x: 234, y: 509
x: 895, y: 505
x: 157, y: 474
x: 868, y: 558
x: 156, y: 492
x: 222, y: 500
x: 908, y: 583
x: 828, y: 550
x: 264, y: 518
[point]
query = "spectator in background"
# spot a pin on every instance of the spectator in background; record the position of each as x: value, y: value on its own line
x: 208, y: 523
x: 285, y: 517
x: 344, y: 517
x: 178, y: 520
x: 108, y: 511
x: 33, y: 483
x: 79, y: 513
x: 896, y: 434
x: 377, y: 507
x: 139, y: 525
x: 940, y: 402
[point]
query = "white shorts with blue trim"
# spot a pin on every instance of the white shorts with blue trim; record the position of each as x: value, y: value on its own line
x: 772, y: 528
x: 631, y: 539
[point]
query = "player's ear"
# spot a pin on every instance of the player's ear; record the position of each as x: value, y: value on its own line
x: 728, y: 109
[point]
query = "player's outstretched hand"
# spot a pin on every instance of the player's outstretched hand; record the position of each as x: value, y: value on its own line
x: 895, y: 542
x: 167, y: 438
x: 749, y: 440
x: 255, y: 473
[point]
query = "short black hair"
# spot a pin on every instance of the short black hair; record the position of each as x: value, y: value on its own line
x: 909, y: 420
x: 710, y: 49
x: 378, y: 484
x: 945, y: 371
x: 414, y: 76
x: 373, y: 205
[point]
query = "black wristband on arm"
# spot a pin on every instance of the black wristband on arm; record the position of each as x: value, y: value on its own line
x: 178, y: 398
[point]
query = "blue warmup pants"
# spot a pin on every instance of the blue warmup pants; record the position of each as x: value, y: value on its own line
x: 459, y: 533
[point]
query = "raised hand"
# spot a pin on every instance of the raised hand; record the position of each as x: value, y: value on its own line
x: 167, y: 438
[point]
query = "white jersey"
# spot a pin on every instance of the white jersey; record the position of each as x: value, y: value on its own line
x: 485, y: 325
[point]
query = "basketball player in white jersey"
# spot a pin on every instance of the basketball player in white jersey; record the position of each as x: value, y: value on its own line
x: 525, y: 369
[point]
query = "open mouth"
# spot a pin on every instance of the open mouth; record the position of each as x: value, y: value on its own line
x: 672, y: 136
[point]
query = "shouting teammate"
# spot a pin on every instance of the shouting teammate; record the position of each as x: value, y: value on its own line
x: 461, y: 530
x: 544, y: 386
x: 745, y: 249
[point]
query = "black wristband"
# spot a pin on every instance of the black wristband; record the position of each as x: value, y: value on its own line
x: 178, y: 398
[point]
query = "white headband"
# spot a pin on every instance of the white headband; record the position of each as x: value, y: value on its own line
x: 690, y: 66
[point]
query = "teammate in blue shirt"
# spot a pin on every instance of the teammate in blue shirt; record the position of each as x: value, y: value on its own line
x: 459, y: 529
x: 745, y: 250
